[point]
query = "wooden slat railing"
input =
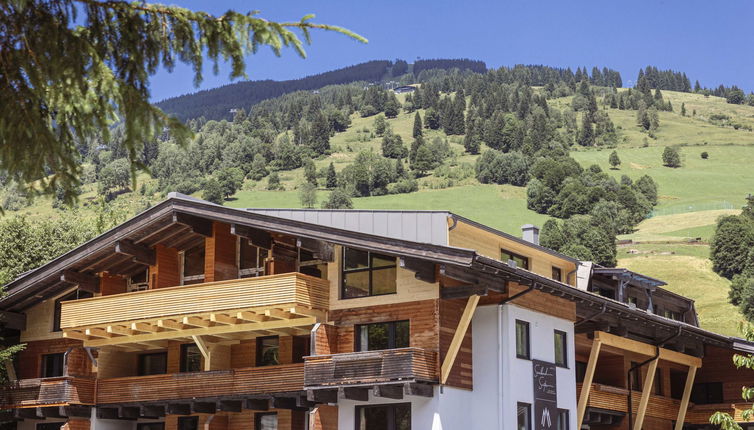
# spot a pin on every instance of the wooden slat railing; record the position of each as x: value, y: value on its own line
x: 64, y: 390
x: 284, y: 289
x: 616, y: 399
x: 218, y: 383
x: 700, y: 414
x: 370, y: 367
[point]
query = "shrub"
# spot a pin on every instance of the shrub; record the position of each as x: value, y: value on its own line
x: 705, y: 155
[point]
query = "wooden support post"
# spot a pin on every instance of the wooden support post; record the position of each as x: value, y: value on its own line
x: 85, y: 282
x: 646, y: 391
x: 455, y: 344
x: 685, y: 399
x: 586, y: 386
x: 204, y: 349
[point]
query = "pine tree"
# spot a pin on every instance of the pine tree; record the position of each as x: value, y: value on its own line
x: 471, y: 140
x: 91, y: 63
x: 310, y: 172
x: 320, y: 134
x: 417, y: 125
x: 586, y: 137
x: 683, y: 109
x: 332, y: 178
x: 614, y: 159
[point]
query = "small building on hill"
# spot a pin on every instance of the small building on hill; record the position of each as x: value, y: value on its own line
x: 405, y: 89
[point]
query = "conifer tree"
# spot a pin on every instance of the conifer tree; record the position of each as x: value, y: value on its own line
x: 320, y: 133
x: 310, y: 172
x: 586, y: 137
x: 471, y: 140
x: 614, y: 159
x: 417, y: 125
x: 71, y: 68
x: 683, y: 109
x: 332, y: 178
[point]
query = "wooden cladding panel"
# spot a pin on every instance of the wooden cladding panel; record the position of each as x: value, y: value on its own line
x: 250, y: 381
x: 326, y: 340
x: 370, y: 367
x: 48, y: 391
x: 542, y: 302
x: 461, y: 374
x: 76, y: 424
x: 699, y: 414
x: 220, y: 254
x: 718, y: 367
x: 291, y: 288
x: 112, y: 284
x: 422, y: 315
x: 324, y: 417
x: 167, y: 272
x: 243, y: 354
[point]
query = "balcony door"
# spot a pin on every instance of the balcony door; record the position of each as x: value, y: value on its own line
x: 384, y: 417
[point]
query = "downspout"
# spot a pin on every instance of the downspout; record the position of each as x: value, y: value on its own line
x: 500, y: 362
x: 633, y: 368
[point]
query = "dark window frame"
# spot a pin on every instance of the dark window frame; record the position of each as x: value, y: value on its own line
x: 259, y: 353
x: 183, y: 368
x: 391, y: 334
x: 566, y: 423
x: 513, y: 256
x: 527, y: 355
x: 526, y: 406
x: 43, y: 362
x: 192, y: 423
x: 140, y: 366
x: 559, y: 271
x: 370, y: 269
x: 391, y: 407
x: 258, y: 418
x: 73, y: 295
x: 710, y: 397
x: 564, y: 335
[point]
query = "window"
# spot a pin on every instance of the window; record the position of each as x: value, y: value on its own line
x: 250, y: 259
x: 524, y: 416
x: 522, y: 339
x: 193, y: 265
x: 150, y: 426
x: 139, y: 281
x: 188, y: 423
x: 561, y: 348
x: 367, y: 274
x: 74, y: 295
x: 633, y: 300
x: 52, y: 365
x: 563, y: 419
x: 606, y: 292
x: 267, y: 351
x: 520, y: 260
x: 390, y: 335
x: 153, y: 363
x: 658, y: 382
x: 49, y: 426
x: 266, y: 421
x: 301, y: 348
x: 384, y: 417
x: 707, y: 393
x: 673, y: 315
x: 580, y: 371
x: 557, y: 273
x: 677, y: 383
x: 635, y: 377
x: 191, y: 358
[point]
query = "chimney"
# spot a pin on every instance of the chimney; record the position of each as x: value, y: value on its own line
x: 530, y: 233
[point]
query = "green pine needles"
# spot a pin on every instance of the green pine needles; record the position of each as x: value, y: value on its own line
x: 72, y: 69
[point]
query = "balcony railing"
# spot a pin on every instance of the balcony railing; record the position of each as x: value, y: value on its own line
x: 371, y: 367
x: 59, y: 391
x: 616, y: 399
x: 186, y: 386
x: 700, y: 414
x: 239, y: 305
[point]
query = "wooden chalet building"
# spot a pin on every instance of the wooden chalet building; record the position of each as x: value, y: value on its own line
x: 192, y: 315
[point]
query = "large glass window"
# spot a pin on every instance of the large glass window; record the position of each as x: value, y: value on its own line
x: 522, y: 339
x: 52, y: 365
x: 191, y: 358
x: 153, y: 363
x: 266, y: 421
x: 250, y: 259
x: 367, y: 274
x: 524, y: 416
x: 188, y: 423
x: 389, y: 335
x: 384, y: 417
x: 520, y: 260
x: 268, y: 351
x: 193, y: 265
x: 561, y: 348
x: 74, y: 295
x: 707, y: 393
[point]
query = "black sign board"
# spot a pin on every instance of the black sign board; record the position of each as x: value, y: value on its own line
x: 545, y: 396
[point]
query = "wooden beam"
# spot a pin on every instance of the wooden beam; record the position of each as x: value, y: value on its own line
x: 645, y: 393
x: 128, y: 412
x: 223, y: 319
x: 140, y: 253
x: 388, y: 391
x: 78, y: 411
x: 685, y: 399
x: 250, y: 316
x: 98, y: 332
x: 463, y: 291
x: 152, y: 411
x: 74, y: 334
x: 178, y: 409
x: 257, y: 404
x: 198, y: 225
x: 647, y: 349
x: 196, y: 321
x: 203, y: 347
x: 170, y: 324
x: 354, y: 393
x: 53, y: 412
x: 203, y: 407
x: 145, y: 327
x: 423, y: 270
x: 107, y: 413
x: 85, y: 282
x: 230, y: 405
x: 290, y: 403
x: 323, y: 396
x: 416, y: 389
x: 255, y: 236
x: 586, y: 386
x: 119, y: 330
x: 455, y: 344
x: 29, y: 413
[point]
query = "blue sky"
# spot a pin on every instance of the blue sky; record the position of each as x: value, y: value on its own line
x: 710, y: 40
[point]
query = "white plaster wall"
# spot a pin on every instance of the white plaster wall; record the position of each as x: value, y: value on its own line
x: 517, y: 373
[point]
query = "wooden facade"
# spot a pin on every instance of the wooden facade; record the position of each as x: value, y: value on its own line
x: 285, y: 340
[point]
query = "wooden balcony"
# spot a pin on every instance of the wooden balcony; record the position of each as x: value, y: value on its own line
x: 606, y: 397
x: 59, y: 391
x: 371, y: 367
x: 700, y: 414
x: 225, y: 309
x: 254, y: 381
